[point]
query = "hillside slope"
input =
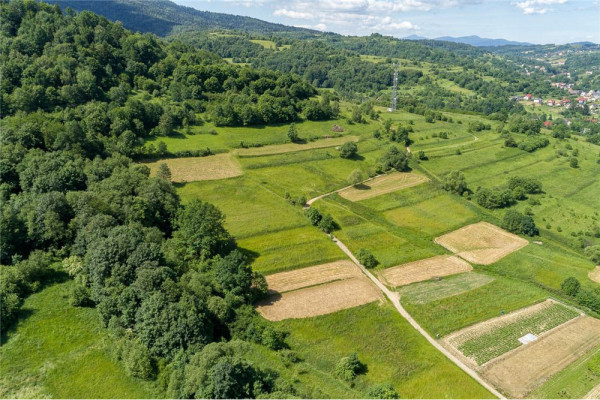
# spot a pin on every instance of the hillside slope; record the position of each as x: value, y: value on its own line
x: 162, y: 17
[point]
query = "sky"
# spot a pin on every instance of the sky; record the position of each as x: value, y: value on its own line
x: 534, y: 21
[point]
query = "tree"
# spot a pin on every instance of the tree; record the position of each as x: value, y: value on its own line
x: 394, y: 158
x: 200, y: 232
x: 163, y: 172
x: 233, y: 274
x: 510, y: 142
x: 314, y: 216
x: 516, y: 222
x: 348, y: 150
x: 366, y: 258
x: 348, y: 367
x: 570, y: 286
x: 574, y: 162
x: 454, y: 182
x: 293, y: 133
x: 327, y: 224
x: 355, y: 177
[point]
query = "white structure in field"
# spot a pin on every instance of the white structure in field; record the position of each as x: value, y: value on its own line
x: 530, y: 337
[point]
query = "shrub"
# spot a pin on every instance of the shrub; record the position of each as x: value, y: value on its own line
x: 394, y: 159
x: 494, y: 198
x: 348, y: 367
x: 529, y: 185
x: 293, y: 133
x: 516, y: 222
x: 273, y: 338
x: 348, y: 150
x: 570, y: 286
x: 510, y: 142
x: 421, y: 155
x: 80, y: 296
x: 383, y: 391
x: 455, y: 182
x: 593, y: 252
x: 355, y: 177
x: 574, y: 162
x: 366, y: 258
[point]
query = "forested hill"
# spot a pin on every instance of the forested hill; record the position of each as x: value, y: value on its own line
x: 163, y: 17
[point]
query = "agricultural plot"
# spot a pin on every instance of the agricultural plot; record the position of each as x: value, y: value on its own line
x: 190, y: 169
x: 319, y: 300
x: 423, y: 270
x: 528, y: 367
x: 481, y: 243
x: 293, y: 147
x: 595, y: 274
x: 426, y: 292
x: 311, y: 276
x: 382, y: 185
x: 491, y: 339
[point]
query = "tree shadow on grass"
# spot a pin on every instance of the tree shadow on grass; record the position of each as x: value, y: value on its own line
x: 251, y: 255
x: 362, y: 186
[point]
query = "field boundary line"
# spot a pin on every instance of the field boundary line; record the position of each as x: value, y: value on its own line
x: 395, y: 299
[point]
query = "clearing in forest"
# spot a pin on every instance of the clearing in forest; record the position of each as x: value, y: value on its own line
x: 311, y: 276
x: 426, y: 292
x: 490, y: 339
x: 293, y: 147
x: 189, y: 169
x: 319, y: 300
x: 595, y: 274
x: 528, y: 367
x: 382, y: 185
x: 424, y: 270
x: 481, y: 243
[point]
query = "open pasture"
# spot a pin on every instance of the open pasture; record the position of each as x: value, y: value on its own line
x: 392, y: 350
x: 487, y: 340
x: 293, y: 147
x: 382, y: 185
x: 311, y: 276
x: 481, y: 243
x: 595, y: 274
x: 423, y: 270
x: 319, y: 300
x: 426, y: 292
x: 528, y: 367
x: 190, y: 169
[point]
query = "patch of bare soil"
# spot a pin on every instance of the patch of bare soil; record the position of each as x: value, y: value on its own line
x: 382, y: 185
x: 423, y: 270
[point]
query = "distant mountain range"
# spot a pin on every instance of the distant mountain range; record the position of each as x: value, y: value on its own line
x: 473, y: 41
x: 163, y: 17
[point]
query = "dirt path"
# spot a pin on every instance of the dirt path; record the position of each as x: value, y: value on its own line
x: 594, y: 393
x: 395, y: 299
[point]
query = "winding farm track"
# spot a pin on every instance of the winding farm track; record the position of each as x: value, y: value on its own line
x: 394, y: 297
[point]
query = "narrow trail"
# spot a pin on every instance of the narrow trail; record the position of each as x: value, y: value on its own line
x: 394, y: 297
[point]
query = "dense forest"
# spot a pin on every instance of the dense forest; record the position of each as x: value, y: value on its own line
x: 167, y: 281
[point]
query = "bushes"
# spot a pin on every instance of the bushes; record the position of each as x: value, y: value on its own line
x: 570, y: 286
x: 518, y: 223
x: 494, y: 198
x: 323, y: 222
x: 383, y: 391
x: 394, y: 159
x: 348, y: 150
x: 533, y: 143
x: 529, y: 185
x: 366, y: 258
x: 455, y: 182
x: 593, y: 253
x: 348, y: 367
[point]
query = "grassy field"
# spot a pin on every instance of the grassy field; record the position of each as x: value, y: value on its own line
x: 393, y: 352
x: 59, y: 351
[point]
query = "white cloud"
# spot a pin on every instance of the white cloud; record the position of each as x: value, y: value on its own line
x: 282, y: 12
x: 537, y: 6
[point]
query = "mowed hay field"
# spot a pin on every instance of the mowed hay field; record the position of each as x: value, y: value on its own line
x: 293, y: 147
x: 423, y: 270
x: 525, y: 369
x: 392, y: 350
x: 190, y: 169
x: 319, y: 300
x: 481, y: 243
x: 426, y: 292
x: 334, y: 271
x: 595, y: 274
x: 487, y: 340
x: 382, y: 185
